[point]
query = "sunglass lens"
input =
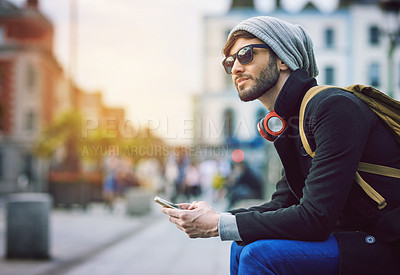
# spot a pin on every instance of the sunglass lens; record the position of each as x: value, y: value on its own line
x: 228, y: 64
x: 245, y: 55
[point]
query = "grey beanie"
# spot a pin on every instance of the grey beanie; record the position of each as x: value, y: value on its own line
x: 290, y: 42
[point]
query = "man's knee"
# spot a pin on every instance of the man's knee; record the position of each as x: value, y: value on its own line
x: 252, y: 251
x: 235, y: 248
x: 254, y: 259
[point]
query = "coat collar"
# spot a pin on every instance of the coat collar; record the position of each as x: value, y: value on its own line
x: 289, y: 99
x: 287, y: 106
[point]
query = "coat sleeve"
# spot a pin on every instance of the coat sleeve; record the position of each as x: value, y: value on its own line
x: 339, y: 132
x: 281, y: 198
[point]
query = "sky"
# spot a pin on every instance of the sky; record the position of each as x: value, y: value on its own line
x: 143, y: 55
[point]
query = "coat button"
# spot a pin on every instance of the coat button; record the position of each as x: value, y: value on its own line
x: 303, y: 152
x: 370, y: 239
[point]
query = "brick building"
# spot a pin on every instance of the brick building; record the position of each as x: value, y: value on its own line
x: 29, y: 77
x: 34, y: 91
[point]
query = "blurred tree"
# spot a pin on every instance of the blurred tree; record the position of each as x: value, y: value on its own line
x: 65, y: 132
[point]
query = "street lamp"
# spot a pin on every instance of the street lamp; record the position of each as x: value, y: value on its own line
x: 391, y: 8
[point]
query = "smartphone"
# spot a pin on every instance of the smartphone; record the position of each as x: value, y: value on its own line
x: 165, y: 203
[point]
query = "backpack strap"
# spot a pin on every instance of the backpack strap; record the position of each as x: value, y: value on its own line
x: 371, y: 192
x: 363, y: 167
x: 379, y: 170
x: 307, y: 97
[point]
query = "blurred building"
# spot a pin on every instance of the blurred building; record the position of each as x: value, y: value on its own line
x: 349, y: 47
x: 34, y: 91
x: 110, y: 119
x: 29, y: 76
x: 114, y: 120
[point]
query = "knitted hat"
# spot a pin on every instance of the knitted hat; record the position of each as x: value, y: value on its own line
x: 290, y: 42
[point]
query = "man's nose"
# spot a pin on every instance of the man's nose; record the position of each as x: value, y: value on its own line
x: 237, y: 67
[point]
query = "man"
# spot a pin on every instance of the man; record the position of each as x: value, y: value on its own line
x: 319, y: 220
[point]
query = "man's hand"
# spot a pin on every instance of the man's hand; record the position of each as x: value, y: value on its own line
x: 197, y: 220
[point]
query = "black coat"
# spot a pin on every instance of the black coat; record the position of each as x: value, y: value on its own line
x: 318, y: 197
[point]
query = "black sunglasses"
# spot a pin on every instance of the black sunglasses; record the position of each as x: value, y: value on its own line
x: 244, y: 56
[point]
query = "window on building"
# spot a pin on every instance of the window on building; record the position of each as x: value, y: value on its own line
x: 329, y: 75
x: 373, y: 72
x: 1, y: 80
x: 1, y: 164
x: 31, y: 77
x: 329, y: 38
x: 30, y: 121
x: 229, y: 123
x: 374, y: 35
x: 28, y: 166
x: 2, y: 35
x: 1, y: 118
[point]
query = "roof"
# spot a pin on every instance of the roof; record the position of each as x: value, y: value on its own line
x: 7, y: 8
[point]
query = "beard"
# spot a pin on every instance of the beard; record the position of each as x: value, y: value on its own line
x: 267, y: 79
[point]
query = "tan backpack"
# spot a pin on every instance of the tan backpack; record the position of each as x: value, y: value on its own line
x: 385, y: 107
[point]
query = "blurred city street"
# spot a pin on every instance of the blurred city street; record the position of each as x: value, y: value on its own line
x: 98, y: 242
x: 105, y: 103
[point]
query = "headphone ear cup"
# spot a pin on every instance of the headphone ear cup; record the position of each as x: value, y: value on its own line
x: 265, y: 131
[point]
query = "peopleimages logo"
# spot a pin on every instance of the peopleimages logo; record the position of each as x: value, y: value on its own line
x: 183, y: 128
x: 154, y: 151
x: 109, y: 127
x: 202, y: 128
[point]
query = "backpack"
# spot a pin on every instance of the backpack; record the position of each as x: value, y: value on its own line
x: 385, y: 107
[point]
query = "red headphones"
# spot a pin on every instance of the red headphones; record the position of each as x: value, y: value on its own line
x: 271, y: 126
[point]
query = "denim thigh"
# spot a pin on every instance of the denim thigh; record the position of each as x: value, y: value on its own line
x: 286, y: 257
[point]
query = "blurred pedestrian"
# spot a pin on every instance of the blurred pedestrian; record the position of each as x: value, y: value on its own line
x: 110, y: 184
x: 208, y: 169
x: 182, y: 161
x: 171, y: 172
x: 125, y: 176
x: 192, y: 181
x: 150, y: 173
x: 245, y: 185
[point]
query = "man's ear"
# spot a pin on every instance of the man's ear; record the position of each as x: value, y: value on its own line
x: 281, y: 65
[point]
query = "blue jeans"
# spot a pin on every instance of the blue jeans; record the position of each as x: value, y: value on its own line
x: 286, y: 257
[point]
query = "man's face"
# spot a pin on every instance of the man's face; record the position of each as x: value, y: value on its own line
x: 257, y: 77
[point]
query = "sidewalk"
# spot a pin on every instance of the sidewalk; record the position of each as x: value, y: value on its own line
x: 97, y: 242
x: 160, y: 249
x: 75, y: 236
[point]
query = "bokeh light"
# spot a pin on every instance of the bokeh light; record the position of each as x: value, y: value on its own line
x: 237, y: 155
